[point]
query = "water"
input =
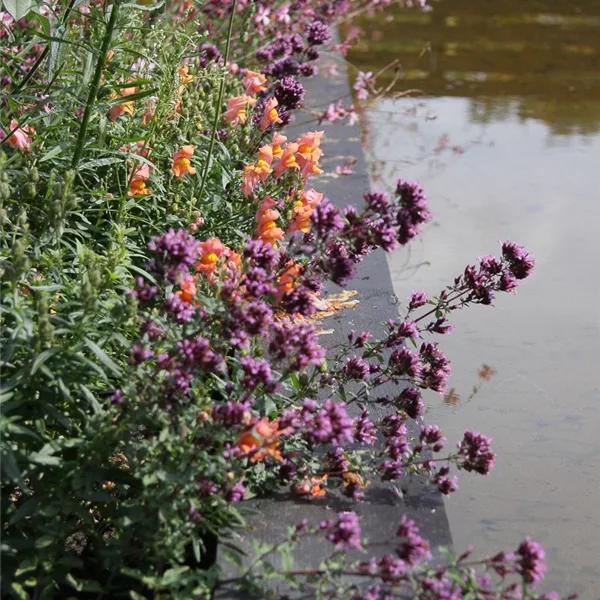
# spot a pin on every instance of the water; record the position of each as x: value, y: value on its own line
x: 507, y: 145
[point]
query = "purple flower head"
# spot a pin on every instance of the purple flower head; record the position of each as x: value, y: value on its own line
x: 377, y: 202
x: 151, y: 329
x: 490, y: 265
x: 299, y: 300
x: 446, y: 485
x: 345, y: 533
x: 403, y: 362
x: 476, y: 453
x: 399, y: 332
x: 236, y: 493
x: 209, y: 53
x: 282, y: 68
x: 356, y: 368
x: 364, y: 430
x: 318, y: 33
x: 520, y: 262
x: 257, y: 282
x: 432, y: 436
x: 117, y: 397
x: 296, y: 340
x: 410, y: 401
x: 414, y: 548
x: 530, y: 561
x: 340, y: 266
x: 261, y: 254
x: 326, y: 219
x: 391, y: 568
x: 181, y: 311
x: 256, y: 372
x: 416, y: 300
x: 231, y: 413
x: 143, y: 291
x: 176, y: 252
x: 308, y: 70
x: 413, y: 209
x: 435, y: 367
x: 289, y: 92
x: 140, y: 354
x: 337, y: 461
x: 330, y: 424
x: 197, y: 353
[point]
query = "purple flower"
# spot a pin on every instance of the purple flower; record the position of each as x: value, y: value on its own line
x: 296, y: 340
x: 143, y: 291
x: 197, y: 353
x: 391, y: 568
x: 326, y: 219
x: 181, y: 311
x: 410, y: 401
x: 176, y: 252
x: 256, y: 372
x: 230, y: 413
x: 345, y: 533
x: 446, y: 485
x: 289, y: 92
x: 139, y: 354
x: 364, y: 430
x: 330, y: 424
x: 356, y: 368
x: 413, y: 209
x: 117, y: 397
x: 377, y: 202
x: 476, y: 453
x: 318, y: 33
x: 414, y: 548
x: 520, y: 262
x: 261, y: 254
x: 236, y: 493
x: 416, y: 300
x: 530, y: 561
x: 403, y: 362
x: 399, y: 332
x: 299, y: 300
x: 209, y: 53
x: 435, y: 367
x: 337, y: 461
x: 432, y: 436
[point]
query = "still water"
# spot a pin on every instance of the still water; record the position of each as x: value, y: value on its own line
x: 506, y: 141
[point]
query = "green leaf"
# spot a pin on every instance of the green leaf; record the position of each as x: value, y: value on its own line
x: 51, y: 153
x: 108, y: 362
x: 45, y: 456
x: 42, y: 358
x: 18, y: 8
x: 24, y: 510
x: 44, y: 541
x: 9, y: 466
x: 89, y: 396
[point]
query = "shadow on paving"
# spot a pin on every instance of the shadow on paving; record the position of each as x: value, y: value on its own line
x: 383, y: 505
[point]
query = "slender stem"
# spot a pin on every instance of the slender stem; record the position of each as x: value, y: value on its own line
x: 95, y: 85
x: 217, y: 109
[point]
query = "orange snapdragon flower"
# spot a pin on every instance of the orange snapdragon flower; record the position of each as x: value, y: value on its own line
x: 250, y: 179
x: 137, y: 184
x: 124, y: 107
x: 258, y: 171
x: 309, y: 153
x: 236, y: 109
x: 278, y: 141
x: 19, y: 139
x: 254, y: 82
x: 289, y: 279
x: 311, y: 487
x: 270, y: 115
x: 287, y: 160
x: 211, y: 251
x: 187, y: 289
x: 182, y: 163
x: 261, y: 441
x: 303, y: 209
x: 266, y: 228
x: 184, y: 73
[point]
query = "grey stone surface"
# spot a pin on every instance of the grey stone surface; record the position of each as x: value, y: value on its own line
x: 384, y: 503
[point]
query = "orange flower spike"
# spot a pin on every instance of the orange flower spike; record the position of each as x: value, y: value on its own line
x: 278, y: 141
x: 287, y: 160
x: 210, y: 252
x: 138, y: 188
x: 263, y: 170
x: 184, y: 73
x: 250, y: 180
x: 254, y: 82
x: 182, y: 163
x: 236, y: 109
x: 270, y: 115
x: 266, y: 153
x: 187, y: 289
x: 124, y: 107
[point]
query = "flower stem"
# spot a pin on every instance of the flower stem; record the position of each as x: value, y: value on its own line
x: 95, y: 85
x: 218, y: 105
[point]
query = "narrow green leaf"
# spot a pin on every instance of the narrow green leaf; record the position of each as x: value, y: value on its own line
x: 106, y: 360
x: 42, y: 358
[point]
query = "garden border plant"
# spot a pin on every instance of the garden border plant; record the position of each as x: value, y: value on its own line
x: 163, y: 258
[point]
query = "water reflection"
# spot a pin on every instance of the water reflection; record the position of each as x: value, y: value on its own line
x: 543, y: 54
x: 510, y: 157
